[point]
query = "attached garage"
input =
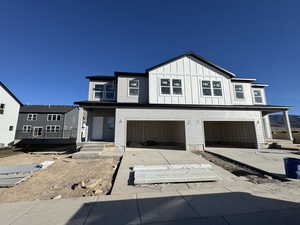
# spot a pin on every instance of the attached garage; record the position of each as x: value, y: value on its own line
x: 239, y: 134
x: 156, y: 134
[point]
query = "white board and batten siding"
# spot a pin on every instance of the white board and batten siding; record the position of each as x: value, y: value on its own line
x: 8, y: 118
x: 191, y: 71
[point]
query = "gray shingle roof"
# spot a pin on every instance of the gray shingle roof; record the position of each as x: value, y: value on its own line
x: 46, y: 108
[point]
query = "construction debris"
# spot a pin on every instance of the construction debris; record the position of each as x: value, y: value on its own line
x: 173, y: 173
x: 12, y: 175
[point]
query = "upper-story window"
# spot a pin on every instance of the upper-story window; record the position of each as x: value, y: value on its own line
x: 53, y: 117
x: 217, y: 88
x: 207, y: 88
x: 32, y: 117
x: 239, y: 91
x: 2, y: 106
x: 133, y: 88
x: 52, y: 128
x: 27, y: 128
x: 104, y: 91
x: 166, y: 87
x: 258, y: 96
x: 177, y: 87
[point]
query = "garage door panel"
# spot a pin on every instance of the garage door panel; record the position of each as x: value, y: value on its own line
x: 230, y: 133
x: 161, y: 132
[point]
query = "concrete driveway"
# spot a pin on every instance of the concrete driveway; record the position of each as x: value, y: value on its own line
x: 139, y: 156
x: 270, y: 160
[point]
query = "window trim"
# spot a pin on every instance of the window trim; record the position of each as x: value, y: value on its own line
x: 27, y: 130
x: 213, y: 89
x: 37, y: 135
x: 261, y: 95
x: 138, y: 88
x: 56, y: 116
x: 210, y: 88
x: 171, y: 86
x: 32, y: 116
x: 104, y: 91
x: 54, y: 130
x: 243, y: 91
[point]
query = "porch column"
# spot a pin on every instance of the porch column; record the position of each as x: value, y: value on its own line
x: 79, y: 125
x: 267, y: 127
x: 287, y: 125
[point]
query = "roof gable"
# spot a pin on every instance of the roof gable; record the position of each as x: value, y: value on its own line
x: 193, y: 55
x: 10, y: 93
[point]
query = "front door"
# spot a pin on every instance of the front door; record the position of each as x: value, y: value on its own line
x: 37, y: 131
x: 97, y: 128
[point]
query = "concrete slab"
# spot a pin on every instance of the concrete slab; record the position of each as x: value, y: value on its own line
x: 114, y: 210
x: 59, y: 212
x: 167, y: 207
x: 286, y: 217
x: 10, y: 212
x: 267, y: 161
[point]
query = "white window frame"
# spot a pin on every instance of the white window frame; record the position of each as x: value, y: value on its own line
x: 171, y: 86
x: 37, y: 135
x: 52, y: 128
x: 26, y: 129
x: 31, y: 116
x: 210, y: 88
x: 235, y: 92
x: 261, y: 96
x: 135, y: 88
x: 220, y: 88
x: 52, y: 117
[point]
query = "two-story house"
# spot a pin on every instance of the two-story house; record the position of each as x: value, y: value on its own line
x: 47, y: 122
x: 9, y: 111
x: 186, y: 102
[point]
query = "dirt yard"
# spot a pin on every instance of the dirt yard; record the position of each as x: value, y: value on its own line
x: 64, y: 179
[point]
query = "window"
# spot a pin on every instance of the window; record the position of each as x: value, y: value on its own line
x: 109, y: 91
x: 165, y: 88
x: 103, y: 91
x: 54, y: 117
x: 239, y: 91
x: 257, y: 96
x: 206, y: 88
x: 52, y: 128
x: 2, y: 106
x: 27, y: 128
x: 11, y: 128
x: 177, y: 88
x: 134, y: 88
x: 32, y: 117
x: 217, y: 88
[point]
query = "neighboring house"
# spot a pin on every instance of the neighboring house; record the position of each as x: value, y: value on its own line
x: 9, y: 111
x: 47, y: 122
x: 185, y: 102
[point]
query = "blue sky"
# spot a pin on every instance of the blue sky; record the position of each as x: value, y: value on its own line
x: 48, y: 47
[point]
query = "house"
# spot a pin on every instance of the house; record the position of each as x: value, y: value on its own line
x: 47, y: 122
x: 9, y: 111
x: 186, y: 102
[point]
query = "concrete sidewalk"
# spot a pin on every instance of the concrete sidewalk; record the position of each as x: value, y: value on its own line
x: 133, y: 157
x: 204, y: 207
x: 268, y: 160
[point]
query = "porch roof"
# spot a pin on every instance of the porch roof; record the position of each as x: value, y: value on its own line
x: 265, y: 108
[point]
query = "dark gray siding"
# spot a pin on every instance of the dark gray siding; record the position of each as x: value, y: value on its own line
x: 71, y: 123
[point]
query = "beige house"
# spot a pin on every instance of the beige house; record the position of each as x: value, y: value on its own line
x: 186, y: 102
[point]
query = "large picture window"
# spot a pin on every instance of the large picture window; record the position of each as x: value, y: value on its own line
x: 134, y: 88
x: 239, y: 91
x: 104, y: 91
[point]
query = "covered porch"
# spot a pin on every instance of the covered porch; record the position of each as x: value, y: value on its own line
x: 96, y: 124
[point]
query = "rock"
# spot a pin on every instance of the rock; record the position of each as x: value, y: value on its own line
x: 269, y: 177
x: 91, y: 184
x: 57, y: 197
x: 98, y: 191
x: 55, y: 157
x: 74, y: 186
x: 82, y: 184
